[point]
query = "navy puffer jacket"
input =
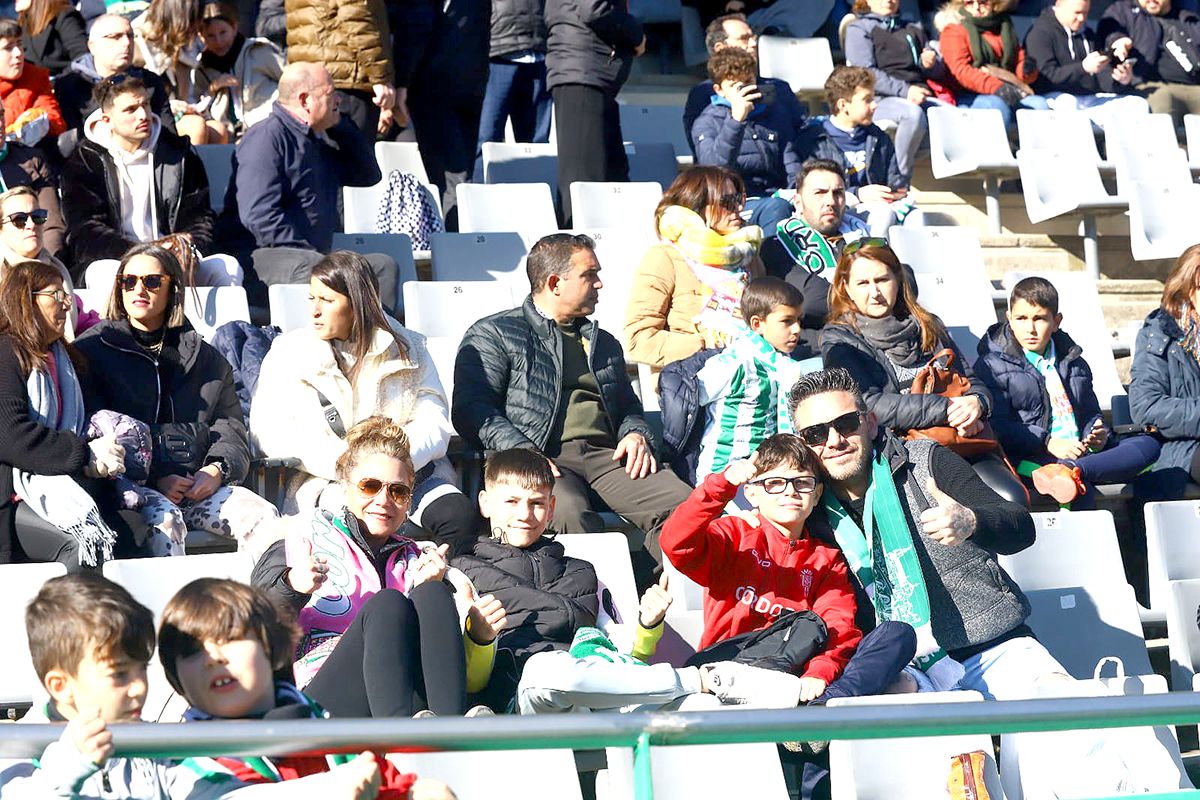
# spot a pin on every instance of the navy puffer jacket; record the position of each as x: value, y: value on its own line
x: 1020, y: 402
x: 682, y: 416
x: 761, y: 149
x: 1165, y: 393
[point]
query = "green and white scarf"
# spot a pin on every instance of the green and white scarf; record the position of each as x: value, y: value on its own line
x: 888, y: 568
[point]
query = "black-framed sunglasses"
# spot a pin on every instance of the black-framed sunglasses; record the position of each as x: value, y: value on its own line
x: 22, y: 218
x: 116, y: 79
x: 152, y: 282
x: 732, y: 201
x: 865, y: 241
x: 846, y: 425
x: 398, y: 493
x: 801, y: 484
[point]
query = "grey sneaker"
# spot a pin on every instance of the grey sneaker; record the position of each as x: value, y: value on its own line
x: 742, y: 684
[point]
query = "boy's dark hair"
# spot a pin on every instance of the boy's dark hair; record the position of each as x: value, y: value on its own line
x: 519, y: 465
x: 837, y: 379
x: 222, y: 610
x: 786, y: 450
x: 76, y: 616
x: 1035, y: 291
x: 818, y: 165
x: 106, y: 92
x: 763, y: 295
x: 730, y: 63
x: 10, y: 29
x: 843, y: 82
x: 551, y: 255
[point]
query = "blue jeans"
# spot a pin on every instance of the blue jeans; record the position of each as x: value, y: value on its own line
x: 1034, y: 101
x: 517, y: 91
x: 1120, y: 462
x: 877, y: 661
x: 767, y: 213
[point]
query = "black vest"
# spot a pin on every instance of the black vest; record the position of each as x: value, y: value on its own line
x: 898, y: 51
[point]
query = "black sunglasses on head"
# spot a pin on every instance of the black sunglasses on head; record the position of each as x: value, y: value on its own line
x: 846, y: 425
x: 22, y: 218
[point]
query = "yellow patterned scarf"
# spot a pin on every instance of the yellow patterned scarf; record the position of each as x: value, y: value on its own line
x: 700, y: 244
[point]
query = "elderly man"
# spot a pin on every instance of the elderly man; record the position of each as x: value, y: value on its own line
x: 288, y: 172
x: 1161, y: 43
x: 110, y: 51
x: 544, y: 377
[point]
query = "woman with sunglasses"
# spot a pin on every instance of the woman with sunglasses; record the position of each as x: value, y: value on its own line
x: 880, y: 333
x: 352, y: 363
x: 381, y: 630
x: 54, y: 502
x: 149, y: 363
x: 987, y: 63
x: 686, y: 293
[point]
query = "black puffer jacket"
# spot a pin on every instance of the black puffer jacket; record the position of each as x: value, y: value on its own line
x: 1128, y: 18
x: 546, y: 593
x: 518, y: 25
x: 199, y: 387
x: 590, y: 42
x: 508, y: 381
x: 843, y: 346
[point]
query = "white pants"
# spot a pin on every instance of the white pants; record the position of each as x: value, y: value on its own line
x: 1012, y: 670
x: 215, y: 270
x: 1099, y: 107
x: 558, y: 682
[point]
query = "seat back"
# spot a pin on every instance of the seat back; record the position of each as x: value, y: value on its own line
x: 1191, y: 128
x: 609, y: 553
x: 804, y: 63
x: 514, y: 162
x: 19, y: 584
x: 498, y: 773
x: 652, y: 162
x: 479, y: 257
x: 619, y: 251
x: 154, y: 581
x: 1161, y: 223
x: 963, y: 140
x: 527, y: 208
x: 1183, y: 634
x: 361, y: 204
x: 685, y: 772
x: 289, y: 305
x: 913, y: 768
x: 210, y: 307
x: 404, y: 156
x: 1076, y: 548
x: 442, y: 352
x: 218, y: 166
x: 1058, y: 182
x: 448, y: 308
x: 1149, y: 131
x: 615, y: 205
x: 1080, y: 625
x: 1057, y: 130
x: 396, y: 245
x: 646, y: 124
x: 1138, y: 164
x: 1172, y: 547
x: 1079, y: 302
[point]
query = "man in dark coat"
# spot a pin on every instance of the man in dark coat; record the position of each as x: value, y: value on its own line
x: 1165, y: 41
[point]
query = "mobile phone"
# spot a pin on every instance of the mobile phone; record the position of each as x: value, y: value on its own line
x: 767, y: 90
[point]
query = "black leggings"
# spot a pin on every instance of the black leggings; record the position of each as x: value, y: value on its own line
x: 38, y: 541
x: 452, y: 519
x: 379, y: 666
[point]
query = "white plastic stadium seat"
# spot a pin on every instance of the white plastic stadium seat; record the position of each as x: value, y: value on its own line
x: 964, y: 141
x: 1079, y: 303
x: 1149, y: 131
x: 1183, y: 633
x: 686, y: 772
x: 210, y: 307
x: 154, y: 581
x: 442, y: 352
x: 527, y: 208
x: 479, y: 257
x: 652, y: 162
x: 1138, y: 164
x: 505, y: 162
x: 913, y: 768
x: 360, y: 205
x: 1083, y: 624
x: 1069, y: 131
x: 289, y: 305
x: 609, y: 553
x: 396, y: 245
x: 218, y: 166
x: 619, y: 251
x: 804, y: 63
x: 20, y: 583
x: 448, y: 308
x: 404, y: 156
x: 1172, y: 550
x: 645, y: 124
x: 1162, y: 222
x: 615, y: 205
x: 527, y: 774
x: 1191, y: 127
x: 1076, y: 548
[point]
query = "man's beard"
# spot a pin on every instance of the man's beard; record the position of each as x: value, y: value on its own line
x: 845, y: 472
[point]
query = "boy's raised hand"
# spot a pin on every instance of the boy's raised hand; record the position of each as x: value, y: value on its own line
x: 91, y: 737
x: 487, y: 617
x: 307, y: 576
x: 362, y: 777
x: 655, y: 603
x: 1097, y: 437
x: 740, y: 472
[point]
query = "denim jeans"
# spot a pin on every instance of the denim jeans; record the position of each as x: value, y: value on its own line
x: 1034, y: 101
x: 517, y: 91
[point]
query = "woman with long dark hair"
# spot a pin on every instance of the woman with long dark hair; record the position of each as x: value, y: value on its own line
x: 54, y: 503
x: 53, y: 33
x: 355, y: 362
x: 150, y: 364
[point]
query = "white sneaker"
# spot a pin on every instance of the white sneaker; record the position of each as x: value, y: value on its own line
x: 742, y: 684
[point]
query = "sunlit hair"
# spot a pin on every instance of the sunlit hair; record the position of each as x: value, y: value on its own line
x: 350, y: 275
x: 176, y: 285
x: 842, y: 310
x: 520, y: 466
x: 40, y: 14
x: 172, y: 25
x: 22, y: 320
x: 824, y: 381
x: 699, y: 188
x: 377, y: 435
x: 221, y: 610
x: 1182, y: 283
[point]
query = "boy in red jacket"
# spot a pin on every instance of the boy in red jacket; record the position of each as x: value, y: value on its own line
x: 757, y: 572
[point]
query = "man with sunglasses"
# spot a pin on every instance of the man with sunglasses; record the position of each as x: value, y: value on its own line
x: 914, y: 520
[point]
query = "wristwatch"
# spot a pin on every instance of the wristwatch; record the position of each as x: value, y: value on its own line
x: 223, y: 469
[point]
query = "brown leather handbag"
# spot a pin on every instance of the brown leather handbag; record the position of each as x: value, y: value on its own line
x: 940, y: 377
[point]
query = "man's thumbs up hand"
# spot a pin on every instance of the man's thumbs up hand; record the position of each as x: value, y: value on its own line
x: 948, y: 522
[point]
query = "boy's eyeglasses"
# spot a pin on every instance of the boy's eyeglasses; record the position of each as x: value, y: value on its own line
x: 152, y: 282
x: 801, y: 484
x: 22, y: 218
x: 865, y: 241
x: 61, y: 296
x: 398, y: 493
x: 846, y: 425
